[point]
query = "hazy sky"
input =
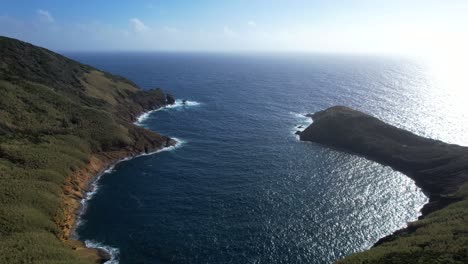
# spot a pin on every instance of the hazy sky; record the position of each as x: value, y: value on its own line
x: 411, y: 26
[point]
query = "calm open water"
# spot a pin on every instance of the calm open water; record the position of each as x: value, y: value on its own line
x: 241, y: 188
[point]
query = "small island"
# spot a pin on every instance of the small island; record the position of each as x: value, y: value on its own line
x: 438, y: 168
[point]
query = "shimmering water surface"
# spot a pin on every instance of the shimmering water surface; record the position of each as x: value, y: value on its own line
x: 241, y: 188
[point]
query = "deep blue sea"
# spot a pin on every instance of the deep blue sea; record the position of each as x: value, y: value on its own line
x: 240, y: 188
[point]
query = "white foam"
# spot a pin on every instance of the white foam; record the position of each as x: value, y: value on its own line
x: 113, y: 252
x: 143, y: 117
x: 177, y: 145
x: 94, y: 186
x: 109, y: 170
x: 302, y: 123
x: 179, y: 104
x: 299, y: 115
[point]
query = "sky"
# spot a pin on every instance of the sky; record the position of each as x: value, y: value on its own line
x: 343, y: 26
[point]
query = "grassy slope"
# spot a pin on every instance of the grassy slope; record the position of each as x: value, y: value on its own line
x: 440, y: 237
x: 54, y: 114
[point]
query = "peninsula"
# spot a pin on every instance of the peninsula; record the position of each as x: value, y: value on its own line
x: 61, y: 124
x: 438, y: 168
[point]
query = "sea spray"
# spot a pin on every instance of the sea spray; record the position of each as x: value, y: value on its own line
x: 302, y: 122
x: 179, y: 104
x: 112, y: 251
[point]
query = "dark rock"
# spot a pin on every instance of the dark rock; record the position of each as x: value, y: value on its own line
x: 103, y: 255
x: 309, y: 115
x: 170, y: 99
x: 147, y: 100
x: 184, y: 101
x: 170, y: 142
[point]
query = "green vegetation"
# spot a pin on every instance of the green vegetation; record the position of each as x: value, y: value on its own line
x: 441, y: 237
x: 54, y: 114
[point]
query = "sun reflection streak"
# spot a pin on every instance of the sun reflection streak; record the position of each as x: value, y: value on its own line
x: 448, y: 94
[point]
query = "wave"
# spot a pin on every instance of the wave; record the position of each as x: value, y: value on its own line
x: 302, y: 122
x: 177, y: 145
x: 143, y: 117
x: 113, y: 252
x: 179, y: 104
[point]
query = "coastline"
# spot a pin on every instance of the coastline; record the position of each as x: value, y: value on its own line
x: 422, y: 211
x: 439, y: 169
x: 76, y: 122
x: 81, y: 185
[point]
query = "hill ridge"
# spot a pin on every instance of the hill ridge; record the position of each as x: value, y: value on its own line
x: 61, y: 124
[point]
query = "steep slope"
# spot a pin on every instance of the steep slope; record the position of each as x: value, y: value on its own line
x: 440, y: 169
x: 61, y: 123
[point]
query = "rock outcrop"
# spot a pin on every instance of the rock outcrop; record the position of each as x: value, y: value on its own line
x: 437, y: 167
x: 170, y: 99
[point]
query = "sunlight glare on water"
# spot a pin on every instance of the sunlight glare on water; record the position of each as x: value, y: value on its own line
x: 448, y: 79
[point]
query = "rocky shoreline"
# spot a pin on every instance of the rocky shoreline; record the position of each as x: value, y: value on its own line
x: 63, y: 123
x: 438, y: 168
x: 80, y: 182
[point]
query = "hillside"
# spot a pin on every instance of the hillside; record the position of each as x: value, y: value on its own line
x: 440, y: 169
x: 61, y: 122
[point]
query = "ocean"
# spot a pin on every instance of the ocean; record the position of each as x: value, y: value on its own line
x: 239, y: 187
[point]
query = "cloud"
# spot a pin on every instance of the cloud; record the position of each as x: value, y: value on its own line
x: 229, y: 32
x: 252, y: 23
x: 45, y: 16
x: 138, y: 26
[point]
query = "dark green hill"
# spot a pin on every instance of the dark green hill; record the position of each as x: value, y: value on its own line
x: 60, y: 122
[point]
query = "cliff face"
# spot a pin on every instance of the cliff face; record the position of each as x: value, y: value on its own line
x: 440, y: 169
x: 61, y: 122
